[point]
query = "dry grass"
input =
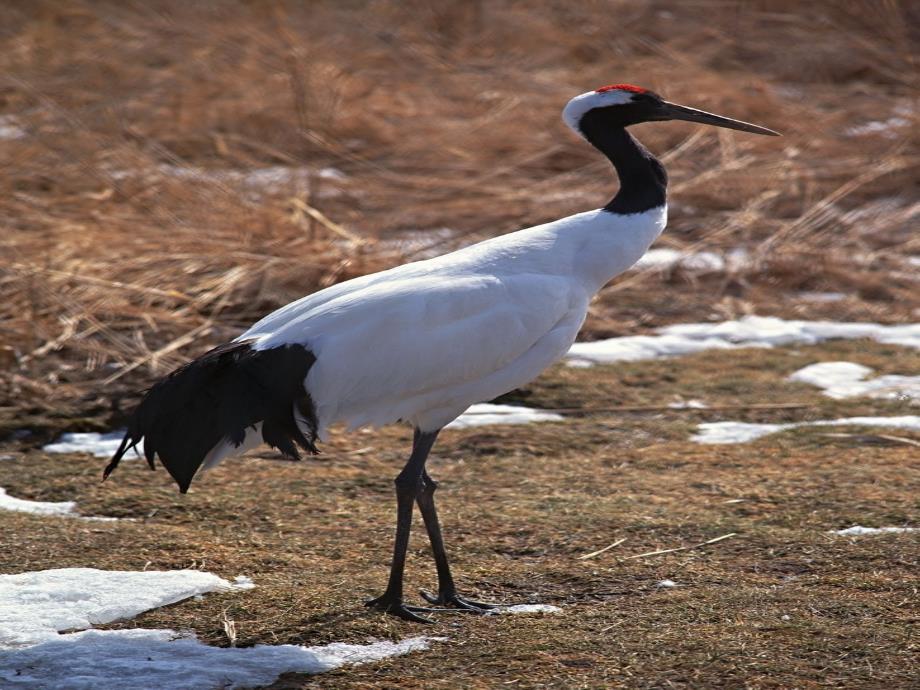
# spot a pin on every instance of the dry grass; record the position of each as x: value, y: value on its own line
x: 130, y: 240
x: 781, y: 604
x: 115, y: 268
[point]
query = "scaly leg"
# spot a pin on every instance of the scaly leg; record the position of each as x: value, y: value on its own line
x: 447, y: 590
x: 408, y: 487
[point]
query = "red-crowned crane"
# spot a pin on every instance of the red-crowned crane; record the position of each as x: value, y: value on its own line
x: 422, y: 342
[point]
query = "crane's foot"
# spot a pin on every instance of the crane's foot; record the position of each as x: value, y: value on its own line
x: 455, y: 600
x: 396, y: 607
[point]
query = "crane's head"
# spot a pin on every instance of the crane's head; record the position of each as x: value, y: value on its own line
x: 622, y: 105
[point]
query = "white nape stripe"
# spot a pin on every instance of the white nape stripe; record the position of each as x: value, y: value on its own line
x: 578, y: 106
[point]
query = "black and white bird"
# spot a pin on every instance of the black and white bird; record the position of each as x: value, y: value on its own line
x: 421, y: 342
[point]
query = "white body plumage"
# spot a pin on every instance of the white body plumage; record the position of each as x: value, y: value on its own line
x: 420, y: 342
x: 423, y: 341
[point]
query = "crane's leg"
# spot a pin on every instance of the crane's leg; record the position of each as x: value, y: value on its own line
x: 447, y: 590
x: 408, y: 487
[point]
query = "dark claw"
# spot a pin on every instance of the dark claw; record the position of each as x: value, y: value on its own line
x: 401, y: 610
x: 458, y: 602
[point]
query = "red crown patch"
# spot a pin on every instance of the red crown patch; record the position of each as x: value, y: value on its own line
x: 621, y: 87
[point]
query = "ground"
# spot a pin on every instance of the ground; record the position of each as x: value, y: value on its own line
x: 173, y: 171
x: 781, y: 603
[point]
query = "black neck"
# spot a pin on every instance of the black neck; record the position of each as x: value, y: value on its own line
x: 643, y: 180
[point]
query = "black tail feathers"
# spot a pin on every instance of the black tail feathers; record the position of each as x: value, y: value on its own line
x: 218, y: 397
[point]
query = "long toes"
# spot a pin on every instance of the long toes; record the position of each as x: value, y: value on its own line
x: 401, y: 610
x: 479, y: 604
x: 377, y: 603
x: 471, y: 606
x: 427, y: 609
x: 431, y: 598
x: 407, y: 615
x: 457, y: 601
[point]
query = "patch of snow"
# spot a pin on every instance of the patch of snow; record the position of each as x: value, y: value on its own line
x: 10, y: 129
x: 35, y: 606
x: 66, y: 509
x: 688, y: 405
x: 742, y: 432
x: 883, y: 127
x: 636, y: 348
x: 769, y: 331
x: 665, y: 258
x: 738, y: 258
x: 859, y: 530
x: 822, y: 296
x: 526, y: 608
x: 273, y: 178
x: 168, y: 660
x: 243, y: 582
x: 486, y: 413
x: 750, y: 331
x: 22, y: 505
x: 100, y: 445
x: 841, y: 380
x: 666, y: 583
x: 735, y: 432
x: 332, y: 174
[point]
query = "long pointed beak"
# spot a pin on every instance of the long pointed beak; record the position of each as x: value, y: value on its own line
x: 672, y: 111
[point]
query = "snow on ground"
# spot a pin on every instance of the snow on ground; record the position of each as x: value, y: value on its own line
x: 665, y: 258
x: 486, y: 413
x: 271, y: 178
x: 693, y: 404
x: 735, y: 432
x: 22, y: 505
x: 769, y: 331
x: 848, y: 380
x: 750, y: 331
x: 887, y: 128
x: 742, y: 432
x: 811, y: 296
x: 67, y: 509
x: 275, y: 178
x: 859, y: 530
x: 526, y: 608
x: 100, y: 445
x: 634, y: 348
x: 162, y: 659
x: 10, y: 129
x: 36, y: 606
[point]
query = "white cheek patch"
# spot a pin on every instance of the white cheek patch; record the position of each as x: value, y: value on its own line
x: 578, y: 106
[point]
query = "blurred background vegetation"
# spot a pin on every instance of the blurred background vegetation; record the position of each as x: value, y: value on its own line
x: 174, y: 170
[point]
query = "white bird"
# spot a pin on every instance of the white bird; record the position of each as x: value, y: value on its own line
x: 421, y: 342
